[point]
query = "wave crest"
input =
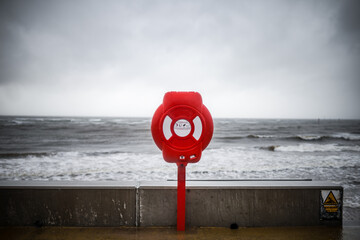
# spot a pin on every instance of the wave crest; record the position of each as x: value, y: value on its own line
x: 26, y: 154
x: 317, y: 148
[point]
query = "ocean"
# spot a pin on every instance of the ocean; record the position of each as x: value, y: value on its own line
x: 122, y: 149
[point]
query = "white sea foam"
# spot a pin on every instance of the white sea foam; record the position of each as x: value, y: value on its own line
x: 317, y: 148
x: 347, y: 136
x: 95, y: 120
x: 309, y: 137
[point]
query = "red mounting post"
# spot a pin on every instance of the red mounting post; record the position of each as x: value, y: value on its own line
x: 181, y: 197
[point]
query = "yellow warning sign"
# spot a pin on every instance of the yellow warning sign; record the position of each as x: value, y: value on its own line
x: 330, y: 203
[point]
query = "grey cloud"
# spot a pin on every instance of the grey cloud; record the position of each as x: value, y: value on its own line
x: 349, y: 20
x: 291, y: 47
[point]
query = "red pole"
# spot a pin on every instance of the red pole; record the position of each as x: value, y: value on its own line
x: 181, y: 197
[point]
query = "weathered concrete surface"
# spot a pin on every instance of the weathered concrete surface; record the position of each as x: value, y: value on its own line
x: 66, y: 204
x: 157, y: 207
x: 248, y: 204
x: 253, y: 207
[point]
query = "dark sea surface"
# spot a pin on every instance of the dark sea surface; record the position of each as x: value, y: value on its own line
x: 106, y: 149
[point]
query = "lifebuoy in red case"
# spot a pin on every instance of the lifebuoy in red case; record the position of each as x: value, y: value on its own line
x: 182, y: 127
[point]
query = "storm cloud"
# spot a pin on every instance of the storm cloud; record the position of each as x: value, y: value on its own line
x: 293, y: 59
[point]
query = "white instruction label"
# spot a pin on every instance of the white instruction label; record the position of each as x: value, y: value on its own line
x: 182, y: 128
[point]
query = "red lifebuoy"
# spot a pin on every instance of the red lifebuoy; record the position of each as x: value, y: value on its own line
x: 182, y: 127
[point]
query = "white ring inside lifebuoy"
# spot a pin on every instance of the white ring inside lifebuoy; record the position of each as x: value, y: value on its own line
x: 197, y: 128
x: 182, y: 128
x: 166, y: 127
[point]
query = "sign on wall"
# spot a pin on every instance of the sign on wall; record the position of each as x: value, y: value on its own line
x: 331, y: 204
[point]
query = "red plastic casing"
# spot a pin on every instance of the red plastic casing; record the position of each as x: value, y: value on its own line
x: 182, y: 127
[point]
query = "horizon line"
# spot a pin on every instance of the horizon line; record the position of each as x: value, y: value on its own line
x: 114, y: 116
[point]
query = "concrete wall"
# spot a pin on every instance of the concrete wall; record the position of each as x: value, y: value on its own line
x: 208, y: 203
x: 246, y: 203
x: 68, y: 204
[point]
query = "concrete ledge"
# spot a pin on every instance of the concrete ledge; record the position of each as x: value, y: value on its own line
x: 208, y: 203
x: 68, y: 185
x: 269, y: 184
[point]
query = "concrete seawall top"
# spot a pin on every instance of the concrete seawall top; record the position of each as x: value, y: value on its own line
x: 242, y: 185
x: 190, y: 184
x: 68, y: 184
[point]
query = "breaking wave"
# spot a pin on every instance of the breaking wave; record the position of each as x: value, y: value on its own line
x: 25, y: 155
x: 300, y: 138
x: 314, y: 148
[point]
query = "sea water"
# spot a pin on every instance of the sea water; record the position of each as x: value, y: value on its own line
x: 122, y: 149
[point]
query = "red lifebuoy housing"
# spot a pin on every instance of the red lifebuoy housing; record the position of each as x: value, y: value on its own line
x: 182, y: 127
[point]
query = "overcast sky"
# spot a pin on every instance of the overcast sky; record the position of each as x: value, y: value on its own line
x: 253, y: 59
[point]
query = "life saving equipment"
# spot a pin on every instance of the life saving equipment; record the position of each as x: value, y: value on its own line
x: 182, y: 127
